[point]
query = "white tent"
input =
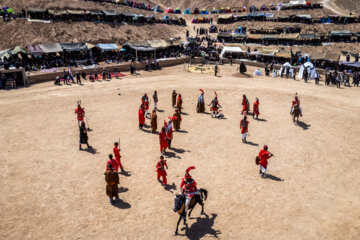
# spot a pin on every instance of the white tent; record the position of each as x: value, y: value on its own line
x: 231, y: 50
x: 308, y: 68
x: 287, y: 68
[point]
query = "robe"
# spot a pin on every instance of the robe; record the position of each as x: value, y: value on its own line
x: 153, y: 118
x: 112, y: 181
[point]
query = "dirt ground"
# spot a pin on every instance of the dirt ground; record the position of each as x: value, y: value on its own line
x: 51, y: 190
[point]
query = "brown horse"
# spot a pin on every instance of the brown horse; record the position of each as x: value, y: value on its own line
x: 296, y: 113
x: 179, y: 205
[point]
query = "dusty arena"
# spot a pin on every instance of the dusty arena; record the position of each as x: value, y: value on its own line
x: 51, y: 190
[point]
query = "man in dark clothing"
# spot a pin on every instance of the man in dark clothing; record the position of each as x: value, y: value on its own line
x: 112, y: 181
x: 216, y: 69
x: 78, y: 80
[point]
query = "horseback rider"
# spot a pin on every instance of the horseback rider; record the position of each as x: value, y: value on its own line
x: 296, y: 102
x: 214, y: 105
x: 188, y: 188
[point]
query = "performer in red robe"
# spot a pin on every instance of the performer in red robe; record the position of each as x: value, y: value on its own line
x: 163, y: 140
x: 141, y: 117
x: 244, y: 128
x: 245, y: 104
x: 160, y: 169
x: 264, y: 155
x: 256, y: 109
x: 80, y: 114
x: 113, y: 163
x: 116, y: 151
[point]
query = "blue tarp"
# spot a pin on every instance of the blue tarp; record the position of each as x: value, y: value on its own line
x: 204, y: 12
x: 107, y: 46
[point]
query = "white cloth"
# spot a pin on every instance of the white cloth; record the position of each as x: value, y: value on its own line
x: 262, y: 169
x: 258, y: 72
x: 244, y: 135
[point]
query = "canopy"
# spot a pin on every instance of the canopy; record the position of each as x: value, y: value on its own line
x: 158, y: 43
x: 283, y: 54
x: 204, y: 11
x: 340, y: 33
x: 72, y: 47
x: 36, y: 10
x: 231, y: 50
x: 51, y: 48
x: 326, y: 56
x: 17, y: 50
x: 75, y: 12
x: 107, y: 46
x: 286, y: 69
x: 289, y: 36
x: 35, y: 49
x: 110, y: 13
x: 169, y: 10
x: 177, y: 11
x: 144, y: 49
x: 350, y: 64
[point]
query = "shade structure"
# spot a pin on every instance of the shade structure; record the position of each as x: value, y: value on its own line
x: 51, y: 47
x: 107, y: 46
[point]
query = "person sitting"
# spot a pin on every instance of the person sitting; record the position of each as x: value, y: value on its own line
x: 57, y: 80
x: 220, y: 114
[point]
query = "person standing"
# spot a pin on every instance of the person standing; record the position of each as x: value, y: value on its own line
x: 245, y: 104
x: 214, y: 106
x: 263, y: 157
x: 179, y: 102
x: 104, y: 74
x: 173, y: 98
x: 244, y: 128
x: 200, y: 108
x: 155, y: 97
x: 153, y: 118
x: 96, y: 74
x: 83, y: 136
x: 113, y: 163
x: 80, y: 112
x: 216, y: 69
x: 116, y: 72
x: 78, y: 80
x: 112, y: 181
x: 169, y: 132
x: 141, y: 117
x: 116, y: 151
x: 163, y: 140
x: 160, y: 169
x: 177, y: 119
x: 256, y: 109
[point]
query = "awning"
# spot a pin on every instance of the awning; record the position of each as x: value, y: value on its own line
x: 270, y: 36
x: 144, y: 49
x: 35, y: 49
x: 232, y: 50
x: 51, y: 48
x: 283, y: 54
x: 57, y: 12
x: 340, y: 33
x: 75, y: 12
x: 308, y: 36
x: 107, y: 46
x: 95, y: 13
x: 5, y: 53
x: 289, y: 36
x: 110, y: 13
x: 350, y: 64
x: 254, y: 36
x: 71, y: 47
x: 36, y: 10
x: 17, y: 50
x: 241, y: 35
x: 144, y: 44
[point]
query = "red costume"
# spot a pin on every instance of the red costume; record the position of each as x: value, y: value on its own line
x: 256, y: 108
x: 264, y: 155
x: 80, y: 113
x: 188, y: 185
x: 296, y: 101
x: 160, y: 169
x: 117, y: 156
x: 245, y: 105
x: 163, y: 140
x: 113, y: 163
x: 244, y: 126
x: 141, y: 116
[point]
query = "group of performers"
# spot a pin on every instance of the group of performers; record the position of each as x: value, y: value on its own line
x: 188, y: 185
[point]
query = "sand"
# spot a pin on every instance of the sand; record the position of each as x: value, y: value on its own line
x: 51, y: 190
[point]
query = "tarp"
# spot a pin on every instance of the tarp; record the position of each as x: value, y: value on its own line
x: 35, y: 49
x: 306, y: 16
x: 51, y: 48
x: 254, y: 36
x: 5, y: 53
x: 17, y: 50
x: 351, y: 64
x: 144, y: 49
x: 187, y: 11
x: 290, y: 36
x: 57, y: 12
x: 158, y: 43
x: 231, y: 50
x: 204, y: 11
x: 75, y: 12
x: 96, y: 13
x: 340, y: 33
x: 107, y: 46
x: 270, y: 36
x: 308, y: 68
x: 110, y: 13
x: 283, y: 54
x: 71, y: 47
x: 36, y: 10
x: 308, y: 36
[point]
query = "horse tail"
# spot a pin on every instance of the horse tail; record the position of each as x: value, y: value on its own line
x: 203, y: 194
